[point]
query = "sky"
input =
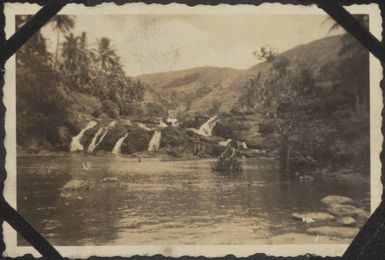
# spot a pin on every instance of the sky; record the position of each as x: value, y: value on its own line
x: 158, y: 43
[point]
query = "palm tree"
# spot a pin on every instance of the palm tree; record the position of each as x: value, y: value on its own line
x: 71, y: 54
x: 84, y: 60
x: 106, y: 57
x: 76, y: 63
x: 62, y: 24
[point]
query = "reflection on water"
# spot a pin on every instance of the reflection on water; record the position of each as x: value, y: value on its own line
x: 165, y: 201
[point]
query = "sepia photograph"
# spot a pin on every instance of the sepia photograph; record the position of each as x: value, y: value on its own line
x: 193, y: 129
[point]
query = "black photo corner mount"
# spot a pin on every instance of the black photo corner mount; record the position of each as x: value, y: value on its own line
x: 369, y: 244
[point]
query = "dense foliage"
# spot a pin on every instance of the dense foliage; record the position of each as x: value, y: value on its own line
x: 318, y: 118
x: 75, y: 69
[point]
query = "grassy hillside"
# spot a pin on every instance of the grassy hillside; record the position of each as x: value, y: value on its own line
x: 210, y: 90
x: 194, y: 90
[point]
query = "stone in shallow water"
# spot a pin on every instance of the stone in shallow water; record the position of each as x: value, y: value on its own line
x: 306, y: 178
x: 341, y: 232
x: 333, y: 199
x: 76, y: 185
x: 347, y: 221
x: 313, y: 216
x: 342, y: 210
x: 111, y: 180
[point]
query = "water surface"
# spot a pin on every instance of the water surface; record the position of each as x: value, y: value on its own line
x: 166, y: 201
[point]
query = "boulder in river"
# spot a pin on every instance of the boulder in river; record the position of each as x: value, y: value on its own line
x: 137, y: 140
x: 343, y: 210
x: 313, y: 216
x: 76, y: 185
x: 334, y: 199
x: 341, y: 232
x: 347, y: 221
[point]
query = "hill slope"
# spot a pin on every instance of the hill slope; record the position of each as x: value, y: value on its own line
x: 207, y: 89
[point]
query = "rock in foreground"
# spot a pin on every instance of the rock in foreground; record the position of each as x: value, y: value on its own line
x: 342, y: 210
x: 347, y: 221
x: 76, y: 185
x: 313, y: 217
x: 334, y: 199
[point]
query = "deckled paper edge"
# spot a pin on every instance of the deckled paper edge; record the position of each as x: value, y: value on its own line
x: 191, y: 250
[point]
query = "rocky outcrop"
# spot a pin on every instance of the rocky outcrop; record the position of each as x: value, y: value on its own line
x: 174, y: 138
x: 245, y: 128
x: 340, y: 220
x: 113, y: 136
x: 341, y: 206
x: 136, y: 141
x: 175, y: 141
x: 237, y: 127
x: 89, y: 134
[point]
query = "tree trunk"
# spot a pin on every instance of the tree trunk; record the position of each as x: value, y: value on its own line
x: 57, y: 49
x: 285, y: 155
x: 287, y: 169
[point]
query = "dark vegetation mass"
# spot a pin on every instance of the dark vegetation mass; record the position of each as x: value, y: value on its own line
x: 79, y: 78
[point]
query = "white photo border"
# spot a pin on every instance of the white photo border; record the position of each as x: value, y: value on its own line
x: 10, y: 236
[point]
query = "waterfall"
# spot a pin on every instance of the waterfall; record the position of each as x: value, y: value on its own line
x: 144, y: 127
x: 118, y: 145
x: 99, y: 136
x: 244, y: 146
x: 154, y: 144
x: 225, y: 143
x: 75, y: 143
x: 162, y: 124
x: 207, y: 128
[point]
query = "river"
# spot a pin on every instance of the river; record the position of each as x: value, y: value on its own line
x: 166, y: 201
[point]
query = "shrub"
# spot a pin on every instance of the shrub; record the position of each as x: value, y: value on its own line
x: 155, y: 109
x: 266, y: 128
x: 110, y: 108
x: 227, y: 165
x: 96, y: 113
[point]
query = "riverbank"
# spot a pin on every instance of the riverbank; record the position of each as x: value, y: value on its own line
x: 342, y: 174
